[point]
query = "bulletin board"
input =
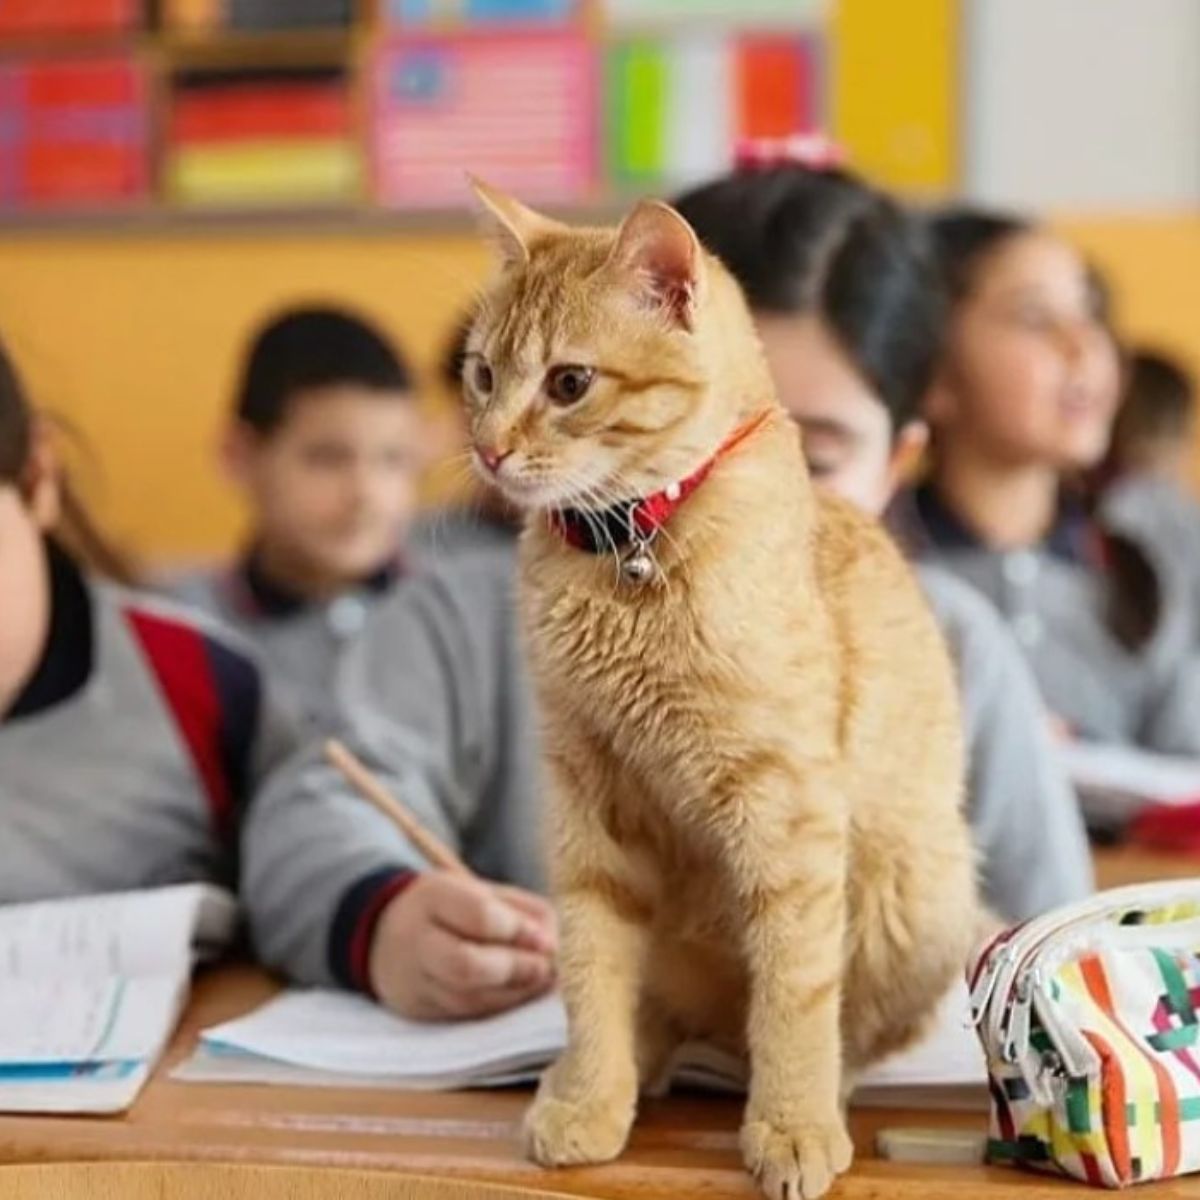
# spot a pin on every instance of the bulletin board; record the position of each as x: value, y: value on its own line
x: 348, y: 106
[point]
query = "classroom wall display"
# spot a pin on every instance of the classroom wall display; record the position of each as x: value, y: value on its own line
x: 518, y: 110
x: 50, y: 18
x: 261, y: 137
x: 289, y: 14
x: 256, y: 16
x: 75, y: 132
x: 352, y: 105
x: 675, y: 110
x: 740, y: 13
x: 425, y: 13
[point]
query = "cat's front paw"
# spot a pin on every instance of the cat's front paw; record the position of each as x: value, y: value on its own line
x: 560, y: 1133
x: 797, y: 1162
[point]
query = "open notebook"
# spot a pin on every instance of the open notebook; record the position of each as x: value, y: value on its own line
x: 324, y: 1038
x: 1116, y: 782
x: 91, y: 989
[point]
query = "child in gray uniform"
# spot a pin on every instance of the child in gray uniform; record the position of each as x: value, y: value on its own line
x: 326, y: 445
x: 1024, y: 398
x: 138, y: 748
x: 1147, y: 494
x: 848, y: 308
x: 844, y: 291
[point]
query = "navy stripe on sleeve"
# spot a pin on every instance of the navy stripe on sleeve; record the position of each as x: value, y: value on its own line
x: 354, y: 922
x: 239, y: 688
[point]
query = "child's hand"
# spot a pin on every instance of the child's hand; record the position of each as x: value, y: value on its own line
x: 450, y: 946
x: 1061, y: 731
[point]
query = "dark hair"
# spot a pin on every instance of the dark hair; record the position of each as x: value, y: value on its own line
x: 964, y: 237
x: 16, y: 425
x: 76, y: 529
x: 305, y: 348
x: 454, y: 352
x: 801, y: 241
x: 1159, y: 400
x: 1100, y: 296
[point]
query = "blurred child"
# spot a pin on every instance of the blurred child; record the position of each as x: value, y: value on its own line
x: 1147, y: 493
x: 1156, y: 421
x: 1024, y: 398
x: 139, y: 748
x: 77, y: 532
x: 326, y: 445
x: 851, y: 336
x: 844, y: 291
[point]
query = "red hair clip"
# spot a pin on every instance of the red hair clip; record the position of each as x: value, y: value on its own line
x: 812, y: 150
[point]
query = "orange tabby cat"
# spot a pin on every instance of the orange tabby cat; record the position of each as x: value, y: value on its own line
x: 751, y: 727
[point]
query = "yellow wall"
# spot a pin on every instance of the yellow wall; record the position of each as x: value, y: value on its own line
x: 1155, y: 267
x: 895, y: 89
x: 135, y: 339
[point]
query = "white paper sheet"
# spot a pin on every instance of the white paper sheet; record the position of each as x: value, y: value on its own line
x: 335, y: 1039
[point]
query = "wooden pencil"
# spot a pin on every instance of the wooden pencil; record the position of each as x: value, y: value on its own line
x: 370, y: 788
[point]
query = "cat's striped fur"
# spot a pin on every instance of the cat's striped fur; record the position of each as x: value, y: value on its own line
x: 756, y: 834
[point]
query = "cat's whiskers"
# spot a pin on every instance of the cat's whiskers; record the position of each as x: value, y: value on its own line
x: 438, y: 526
x: 582, y: 498
x: 609, y: 493
x: 619, y: 481
x: 462, y: 473
x: 464, y: 479
x: 591, y: 493
x: 459, y: 467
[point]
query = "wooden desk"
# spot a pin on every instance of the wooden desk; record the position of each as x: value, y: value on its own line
x: 681, y: 1147
x: 1119, y: 865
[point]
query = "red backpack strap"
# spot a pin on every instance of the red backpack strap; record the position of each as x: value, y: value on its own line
x: 214, y: 694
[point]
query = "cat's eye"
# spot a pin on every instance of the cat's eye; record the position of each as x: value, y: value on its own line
x: 482, y: 378
x: 569, y: 384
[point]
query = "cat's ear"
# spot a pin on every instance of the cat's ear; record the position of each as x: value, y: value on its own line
x: 658, y: 251
x: 514, y: 227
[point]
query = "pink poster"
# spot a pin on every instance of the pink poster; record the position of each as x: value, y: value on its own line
x: 516, y: 109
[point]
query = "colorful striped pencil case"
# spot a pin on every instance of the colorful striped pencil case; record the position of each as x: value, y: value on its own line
x: 1088, y: 1017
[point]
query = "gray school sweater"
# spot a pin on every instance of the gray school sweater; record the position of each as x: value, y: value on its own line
x: 164, y: 760
x: 1055, y: 598
x: 437, y: 681
x: 302, y: 642
x: 1164, y: 520
x: 1023, y: 811
x: 440, y: 662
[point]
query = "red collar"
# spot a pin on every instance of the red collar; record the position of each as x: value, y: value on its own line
x: 610, y: 530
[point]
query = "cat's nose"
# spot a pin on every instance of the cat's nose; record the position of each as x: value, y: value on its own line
x: 492, y: 457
